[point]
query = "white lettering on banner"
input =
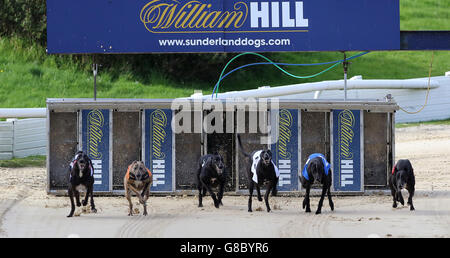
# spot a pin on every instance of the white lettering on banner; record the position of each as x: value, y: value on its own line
x: 256, y: 14
x: 158, y: 170
x: 275, y: 15
x: 97, y: 171
x: 285, y: 172
x: 259, y: 11
x: 300, y: 21
x: 346, y: 172
x: 287, y: 21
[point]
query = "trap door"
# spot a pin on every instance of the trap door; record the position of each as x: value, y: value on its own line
x: 188, y: 150
x: 314, y: 136
x: 377, y: 149
x: 127, y: 135
x: 63, y: 144
x: 222, y: 142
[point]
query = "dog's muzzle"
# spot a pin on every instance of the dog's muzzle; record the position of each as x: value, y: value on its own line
x: 219, y: 169
x: 81, y: 166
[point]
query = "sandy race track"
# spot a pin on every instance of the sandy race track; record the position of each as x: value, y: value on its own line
x: 27, y: 211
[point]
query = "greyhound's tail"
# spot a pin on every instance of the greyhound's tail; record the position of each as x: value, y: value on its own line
x: 242, y: 148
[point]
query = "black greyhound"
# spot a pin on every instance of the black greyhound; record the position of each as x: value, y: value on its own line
x: 81, y: 176
x: 402, y: 176
x: 265, y: 172
x: 210, y: 173
x: 317, y: 169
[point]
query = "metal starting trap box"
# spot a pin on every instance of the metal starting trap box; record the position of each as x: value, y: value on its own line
x: 357, y: 138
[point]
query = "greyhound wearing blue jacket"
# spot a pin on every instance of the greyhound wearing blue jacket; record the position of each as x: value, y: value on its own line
x: 316, y: 169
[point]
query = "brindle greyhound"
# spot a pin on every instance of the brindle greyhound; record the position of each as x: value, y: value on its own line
x: 137, y: 180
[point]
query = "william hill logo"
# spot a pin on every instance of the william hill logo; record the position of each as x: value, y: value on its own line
x: 183, y: 16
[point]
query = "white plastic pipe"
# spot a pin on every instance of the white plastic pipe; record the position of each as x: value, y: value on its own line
x: 22, y: 112
x: 267, y: 92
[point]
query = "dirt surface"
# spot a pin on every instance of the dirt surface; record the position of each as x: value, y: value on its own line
x: 27, y: 211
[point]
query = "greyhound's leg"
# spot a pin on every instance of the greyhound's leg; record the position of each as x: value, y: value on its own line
x: 266, y: 195
x: 77, y: 197
x: 145, y: 194
x: 138, y: 194
x: 145, y: 191
x: 324, y: 191
x: 199, y: 188
x: 86, y: 197
x: 72, y: 204
x: 213, y: 196
x: 274, y: 189
x: 410, y: 201
x: 400, y: 196
x: 258, y: 192
x: 220, y: 194
x: 200, y: 194
x: 306, y: 200
x: 130, y: 204
x: 91, y: 190
x: 128, y: 196
x: 145, y: 209
x: 394, y: 196
x: 250, y: 190
x: 330, y: 201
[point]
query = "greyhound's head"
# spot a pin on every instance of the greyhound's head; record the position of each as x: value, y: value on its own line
x: 266, y: 157
x: 81, y: 162
x: 138, y: 170
x: 401, y: 178
x: 218, y: 163
x: 317, y: 169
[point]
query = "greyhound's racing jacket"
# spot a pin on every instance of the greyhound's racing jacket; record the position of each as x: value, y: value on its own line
x: 326, y: 165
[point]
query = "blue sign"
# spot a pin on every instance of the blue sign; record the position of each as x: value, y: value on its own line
x: 95, y: 142
x: 285, y: 150
x: 145, y: 26
x: 346, y: 157
x: 158, y: 148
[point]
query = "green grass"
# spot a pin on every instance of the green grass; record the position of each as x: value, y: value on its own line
x: 375, y: 65
x: 424, y: 15
x: 30, y: 161
x: 434, y: 122
x: 28, y: 76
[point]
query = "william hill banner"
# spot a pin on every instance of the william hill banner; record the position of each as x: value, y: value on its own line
x: 285, y: 150
x: 95, y: 142
x: 346, y: 157
x: 146, y: 26
x: 158, y: 148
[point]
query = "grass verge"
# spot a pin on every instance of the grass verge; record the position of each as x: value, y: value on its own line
x: 30, y: 161
x: 434, y: 122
